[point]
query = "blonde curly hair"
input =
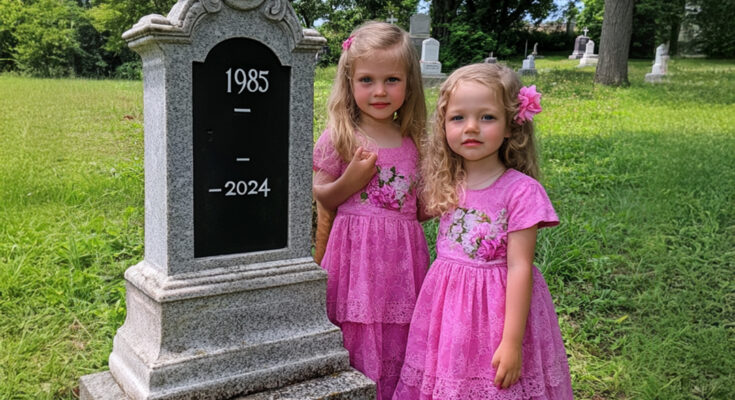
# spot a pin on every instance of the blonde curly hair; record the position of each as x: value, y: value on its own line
x: 343, y: 113
x: 442, y: 169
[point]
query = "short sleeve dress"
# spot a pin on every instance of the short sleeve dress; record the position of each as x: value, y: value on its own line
x: 458, y: 321
x: 376, y: 260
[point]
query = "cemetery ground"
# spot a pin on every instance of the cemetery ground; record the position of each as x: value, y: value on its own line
x: 642, y: 267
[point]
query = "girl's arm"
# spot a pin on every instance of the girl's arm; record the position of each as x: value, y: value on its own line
x: 507, y: 358
x: 330, y: 192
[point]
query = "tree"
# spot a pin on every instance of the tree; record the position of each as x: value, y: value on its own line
x: 10, y: 11
x: 716, y: 26
x: 469, y: 29
x: 617, y: 28
x: 309, y: 11
x: 655, y: 22
x: 113, y: 17
x: 346, y: 15
x: 46, y: 40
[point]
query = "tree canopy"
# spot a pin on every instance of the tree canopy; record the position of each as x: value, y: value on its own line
x: 83, y: 37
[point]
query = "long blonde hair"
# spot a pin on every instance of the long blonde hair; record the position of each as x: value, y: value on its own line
x: 442, y: 169
x: 344, y: 115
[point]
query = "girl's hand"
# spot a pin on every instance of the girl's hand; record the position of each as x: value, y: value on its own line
x: 361, y: 168
x: 507, y: 362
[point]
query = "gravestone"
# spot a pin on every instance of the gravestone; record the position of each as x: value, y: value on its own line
x: 419, y: 30
x: 431, y: 68
x: 658, y: 71
x: 227, y: 300
x: 491, y: 59
x: 580, y: 44
x: 535, y: 53
x: 589, y: 59
x: 528, y: 67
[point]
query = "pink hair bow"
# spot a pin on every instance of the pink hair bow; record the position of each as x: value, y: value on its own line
x: 530, y: 104
x: 347, y: 43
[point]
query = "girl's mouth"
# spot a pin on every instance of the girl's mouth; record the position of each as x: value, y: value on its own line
x: 380, y: 105
x: 471, y: 142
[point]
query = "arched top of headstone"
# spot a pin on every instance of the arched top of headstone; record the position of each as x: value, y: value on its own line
x: 178, y: 25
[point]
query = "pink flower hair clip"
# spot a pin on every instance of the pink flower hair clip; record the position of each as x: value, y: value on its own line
x: 530, y: 104
x: 347, y: 43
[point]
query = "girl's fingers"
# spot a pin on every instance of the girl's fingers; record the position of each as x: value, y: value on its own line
x: 499, y: 377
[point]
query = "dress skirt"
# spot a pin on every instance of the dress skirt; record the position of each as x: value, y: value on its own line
x: 458, y: 325
x: 376, y: 264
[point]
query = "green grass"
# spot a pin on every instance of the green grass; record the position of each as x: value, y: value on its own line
x: 642, y: 267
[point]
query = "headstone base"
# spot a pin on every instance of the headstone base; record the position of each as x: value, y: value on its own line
x: 433, y: 80
x: 587, y: 62
x: 575, y: 56
x: 224, y: 333
x: 527, y: 72
x: 654, y: 78
x: 346, y: 385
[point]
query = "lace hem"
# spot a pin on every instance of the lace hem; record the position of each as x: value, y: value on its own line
x: 358, y: 311
x: 483, y: 387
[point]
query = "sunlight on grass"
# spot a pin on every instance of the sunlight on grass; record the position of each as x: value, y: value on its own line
x: 642, y: 267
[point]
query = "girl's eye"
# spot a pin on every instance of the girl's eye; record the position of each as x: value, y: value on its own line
x: 365, y: 79
x: 487, y: 117
x: 456, y: 118
x: 393, y: 80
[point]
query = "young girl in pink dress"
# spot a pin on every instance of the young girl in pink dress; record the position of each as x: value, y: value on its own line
x: 484, y: 326
x: 366, y: 167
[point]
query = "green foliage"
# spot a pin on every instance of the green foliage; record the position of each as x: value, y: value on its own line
x: 348, y: 14
x: 656, y: 22
x: 469, y: 30
x: 46, y: 38
x: 113, y: 17
x: 716, y: 27
x: 310, y: 10
x: 466, y: 45
x: 10, y: 11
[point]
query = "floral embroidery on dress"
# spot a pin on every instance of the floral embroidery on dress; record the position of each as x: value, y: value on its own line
x: 389, y: 190
x: 479, y: 236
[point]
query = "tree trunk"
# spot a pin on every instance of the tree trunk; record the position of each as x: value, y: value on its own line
x: 617, y: 28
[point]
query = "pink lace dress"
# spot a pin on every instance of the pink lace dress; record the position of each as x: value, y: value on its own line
x: 459, y: 316
x: 376, y: 260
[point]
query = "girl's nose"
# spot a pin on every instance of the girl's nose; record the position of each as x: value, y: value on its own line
x: 471, y: 126
x: 380, y: 89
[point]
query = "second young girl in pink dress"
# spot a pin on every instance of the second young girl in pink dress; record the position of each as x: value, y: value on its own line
x: 366, y: 167
x: 484, y: 326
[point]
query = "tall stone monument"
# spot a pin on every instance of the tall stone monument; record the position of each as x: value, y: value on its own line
x: 227, y: 301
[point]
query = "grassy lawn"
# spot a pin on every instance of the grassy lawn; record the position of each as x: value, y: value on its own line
x: 642, y: 267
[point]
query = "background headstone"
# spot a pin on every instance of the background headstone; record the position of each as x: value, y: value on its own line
x: 227, y: 300
x: 658, y: 71
x: 419, y: 30
x: 589, y: 58
x: 490, y: 59
x: 529, y: 66
x: 580, y: 44
x: 431, y: 68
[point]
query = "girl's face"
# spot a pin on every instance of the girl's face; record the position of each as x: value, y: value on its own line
x: 475, y: 121
x: 379, y: 85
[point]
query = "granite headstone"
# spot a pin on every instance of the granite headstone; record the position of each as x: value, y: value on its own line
x: 227, y: 301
